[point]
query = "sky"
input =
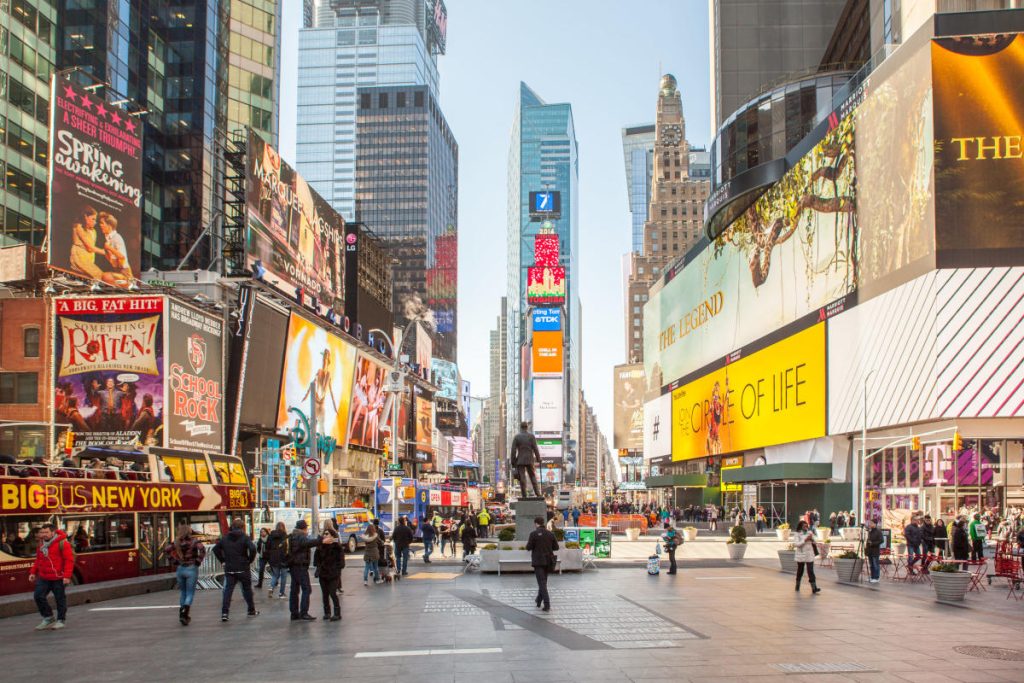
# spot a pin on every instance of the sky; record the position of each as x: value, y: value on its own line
x: 605, y: 57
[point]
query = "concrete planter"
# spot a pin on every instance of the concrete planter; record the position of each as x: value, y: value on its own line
x: 783, y: 534
x: 689, y: 534
x: 823, y: 533
x: 632, y: 535
x: 950, y: 586
x: 848, y: 570
x: 489, y: 559
x: 850, y: 534
x: 571, y: 558
x: 787, y: 560
x: 736, y: 550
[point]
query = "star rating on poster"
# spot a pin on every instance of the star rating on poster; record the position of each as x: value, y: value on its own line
x: 111, y: 114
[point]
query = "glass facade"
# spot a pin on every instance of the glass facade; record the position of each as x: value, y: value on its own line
x: 406, y: 180
x: 27, y: 55
x: 543, y: 154
x: 254, y: 62
x: 638, y: 153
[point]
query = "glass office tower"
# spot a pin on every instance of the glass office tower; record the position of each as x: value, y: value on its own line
x: 638, y: 154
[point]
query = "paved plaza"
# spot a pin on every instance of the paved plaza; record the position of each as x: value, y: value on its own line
x: 712, y: 622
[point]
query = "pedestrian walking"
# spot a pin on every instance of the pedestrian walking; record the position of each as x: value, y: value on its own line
x: 873, y: 550
x: 939, y: 535
x: 483, y: 520
x: 542, y: 546
x: 277, y: 559
x: 236, y: 552
x: 298, y: 548
x: 467, y: 533
x: 575, y: 516
x: 672, y: 540
x: 261, y: 554
x: 713, y: 523
x: 977, y: 531
x: 187, y: 553
x: 429, y: 533
x: 371, y: 555
x: 401, y: 536
x: 804, y: 555
x: 446, y: 535
x: 51, y: 572
x: 329, y: 560
x: 961, y: 542
x: 927, y: 535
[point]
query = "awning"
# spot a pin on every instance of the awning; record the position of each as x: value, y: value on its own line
x: 682, y: 480
x: 783, y: 471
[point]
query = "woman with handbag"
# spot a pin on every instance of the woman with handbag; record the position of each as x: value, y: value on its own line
x: 672, y: 540
x: 804, y: 556
x: 329, y: 560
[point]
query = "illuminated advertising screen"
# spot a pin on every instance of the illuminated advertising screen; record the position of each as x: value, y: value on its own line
x: 545, y: 205
x: 548, y: 411
x: 294, y: 235
x: 547, y: 319
x: 446, y: 378
x: 95, y: 190
x: 979, y: 179
x: 320, y: 365
x: 109, y: 369
x: 443, y: 281
x: 772, y: 396
x: 195, y: 394
x: 658, y: 427
x: 550, y: 451
x: 628, y: 394
x: 424, y: 446
x: 371, y: 406
x: 545, y: 285
x: 550, y: 475
x: 546, y: 356
x: 545, y: 249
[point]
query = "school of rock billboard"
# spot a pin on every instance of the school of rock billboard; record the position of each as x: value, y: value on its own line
x: 95, y: 200
x: 195, y: 367
x: 109, y: 369
x: 294, y: 239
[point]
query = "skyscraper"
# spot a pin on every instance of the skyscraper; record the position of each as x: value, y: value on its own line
x: 543, y: 156
x: 638, y: 154
x: 254, y: 66
x: 492, y: 419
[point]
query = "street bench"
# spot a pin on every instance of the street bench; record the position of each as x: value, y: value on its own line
x: 526, y: 564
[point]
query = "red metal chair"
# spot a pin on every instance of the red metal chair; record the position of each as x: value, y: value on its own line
x: 978, y: 569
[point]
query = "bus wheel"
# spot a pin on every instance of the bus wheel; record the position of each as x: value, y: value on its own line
x: 352, y: 545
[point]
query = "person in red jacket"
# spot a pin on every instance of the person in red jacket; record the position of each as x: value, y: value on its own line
x: 52, y: 570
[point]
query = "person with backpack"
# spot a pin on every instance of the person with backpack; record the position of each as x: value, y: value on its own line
x: 236, y: 551
x: 51, y: 572
x: 329, y: 560
x: 402, y: 536
x: 429, y: 533
x: 187, y: 552
x: 277, y: 559
x: 298, y: 546
x: 672, y: 540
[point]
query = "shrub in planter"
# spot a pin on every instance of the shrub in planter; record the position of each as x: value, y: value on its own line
x: 737, y: 543
x: 950, y: 582
x: 787, y: 560
x: 689, y: 533
x: 572, y: 545
x: 489, y: 546
x: 782, y: 531
x: 848, y: 567
x: 507, y: 534
x: 737, y: 534
x: 559, y: 533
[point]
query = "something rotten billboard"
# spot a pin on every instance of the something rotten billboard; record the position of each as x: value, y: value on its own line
x: 95, y: 214
x: 195, y: 403
x: 109, y: 369
x: 294, y: 238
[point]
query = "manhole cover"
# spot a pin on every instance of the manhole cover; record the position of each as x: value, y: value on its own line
x: 991, y: 652
x: 816, y: 668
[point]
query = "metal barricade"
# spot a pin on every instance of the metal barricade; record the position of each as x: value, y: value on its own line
x: 210, y: 572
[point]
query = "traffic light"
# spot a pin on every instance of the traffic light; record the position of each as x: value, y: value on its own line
x: 915, y: 443
x: 321, y: 486
x: 958, y: 442
x: 69, y: 442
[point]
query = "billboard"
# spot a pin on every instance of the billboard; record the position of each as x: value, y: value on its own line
x: 195, y: 375
x: 371, y: 406
x: 95, y: 200
x: 978, y: 147
x: 320, y: 364
x: 550, y: 451
x: 545, y: 285
x: 548, y: 411
x: 628, y: 394
x: 294, y: 235
x: 446, y: 378
x: 443, y: 280
x: 549, y: 475
x: 266, y: 339
x: 772, y: 396
x: 547, y: 319
x: 790, y: 254
x: 658, y: 427
x: 424, y: 446
x: 546, y: 356
x: 545, y: 205
x: 109, y: 369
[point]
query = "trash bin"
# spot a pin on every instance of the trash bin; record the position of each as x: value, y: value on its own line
x: 603, y: 542
x: 572, y: 534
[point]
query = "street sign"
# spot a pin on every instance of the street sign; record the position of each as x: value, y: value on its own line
x: 311, y: 467
x: 394, y: 471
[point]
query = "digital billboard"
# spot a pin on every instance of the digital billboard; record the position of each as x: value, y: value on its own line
x: 266, y: 333
x: 195, y: 375
x: 771, y: 396
x: 791, y: 253
x: 549, y: 475
x: 446, y: 378
x: 546, y: 249
x: 548, y: 410
x: 443, y: 280
x: 371, y: 406
x: 545, y: 205
x: 424, y: 446
x: 294, y: 235
x: 547, y: 319
x: 979, y: 180
x: 318, y: 364
x: 547, y: 353
x: 628, y: 395
x: 95, y: 190
x: 550, y: 451
x: 109, y: 369
x: 545, y: 285
x: 658, y: 427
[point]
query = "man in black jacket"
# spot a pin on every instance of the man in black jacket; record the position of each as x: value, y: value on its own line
x: 298, y: 546
x: 913, y: 536
x: 873, y: 550
x: 525, y: 455
x: 402, y: 538
x: 542, y: 546
x: 236, y: 552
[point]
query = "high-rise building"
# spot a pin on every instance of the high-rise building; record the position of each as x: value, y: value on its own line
x: 542, y: 157
x: 254, y: 66
x: 755, y: 44
x: 407, y: 165
x: 638, y: 154
x: 492, y: 453
x: 675, y: 216
x: 354, y: 44
x: 27, y: 54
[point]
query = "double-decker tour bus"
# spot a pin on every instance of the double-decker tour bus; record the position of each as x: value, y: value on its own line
x: 119, y: 507
x: 417, y: 499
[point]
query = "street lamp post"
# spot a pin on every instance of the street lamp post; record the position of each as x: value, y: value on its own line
x: 313, y: 445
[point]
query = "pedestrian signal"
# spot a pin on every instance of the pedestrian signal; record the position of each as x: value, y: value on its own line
x: 958, y: 442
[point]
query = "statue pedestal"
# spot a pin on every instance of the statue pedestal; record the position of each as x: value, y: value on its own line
x: 526, y: 509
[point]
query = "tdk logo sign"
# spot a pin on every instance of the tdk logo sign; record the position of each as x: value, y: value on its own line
x: 547, y: 319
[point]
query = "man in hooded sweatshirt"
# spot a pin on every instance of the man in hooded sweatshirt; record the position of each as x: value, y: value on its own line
x: 52, y: 570
x: 236, y: 551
